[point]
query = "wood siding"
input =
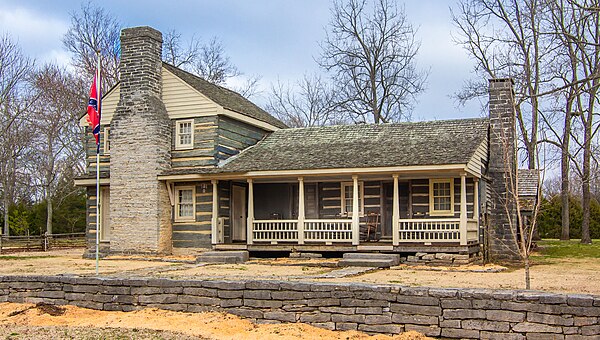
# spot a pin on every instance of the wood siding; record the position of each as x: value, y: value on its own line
x: 90, y: 230
x: 182, y: 100
x: 196, y: 234
x: 234, y: 136
x: 478, y: 163
x: 203, y: 153
x: 90, y: 152
x: 109, y: 104
x: 225, y: 208
x: 420, y: 195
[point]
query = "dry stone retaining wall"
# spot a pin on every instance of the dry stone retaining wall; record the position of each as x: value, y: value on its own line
x: 438, y: 312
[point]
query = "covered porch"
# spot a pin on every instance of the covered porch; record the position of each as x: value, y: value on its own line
x: 418, y: 212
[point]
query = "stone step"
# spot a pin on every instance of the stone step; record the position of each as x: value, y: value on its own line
x: 395, y: 258
x: 223, y: 257
x: 373, y: 263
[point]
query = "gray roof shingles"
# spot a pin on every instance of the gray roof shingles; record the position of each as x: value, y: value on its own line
x: 363, y: 146
x: 226, y: 98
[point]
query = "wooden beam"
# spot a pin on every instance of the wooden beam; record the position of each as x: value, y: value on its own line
x: 476, y: 203
x: 250, y: 218
x: 215, y: 232
x: 463, y: 209
x: 355, y: 212
x: 301, y: 213
x: 396, y: 213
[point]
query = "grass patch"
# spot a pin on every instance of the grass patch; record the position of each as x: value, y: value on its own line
x: 555, y: 249
x: 10, y: 257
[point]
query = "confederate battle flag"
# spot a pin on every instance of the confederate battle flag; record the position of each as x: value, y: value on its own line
x: 93, y: 112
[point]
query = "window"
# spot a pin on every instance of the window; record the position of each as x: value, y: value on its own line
x: 106, y: 141
x: 185, y: 207
x: 184, y: 134
x: 441, y: 197
x: 347, y: 196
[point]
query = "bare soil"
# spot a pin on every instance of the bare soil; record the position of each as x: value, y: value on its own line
x: 34, y: 322
x: 562, y: 275
x: 25, y: 321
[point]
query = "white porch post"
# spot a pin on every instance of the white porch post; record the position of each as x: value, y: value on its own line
x: 355, y: 212
x: 214, y: 230
x: 301, y: 212
x: 463, y: 209
x: 250, y: 219
x: 396, y: 214
x: 476, y: 203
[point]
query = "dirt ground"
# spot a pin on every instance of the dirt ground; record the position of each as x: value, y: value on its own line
x: 26, y: 321
x: 23, y: 321
x: 558, y: 275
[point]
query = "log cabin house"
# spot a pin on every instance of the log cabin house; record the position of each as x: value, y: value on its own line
x: 187, y: 165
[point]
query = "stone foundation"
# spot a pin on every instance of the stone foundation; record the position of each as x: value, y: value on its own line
x: 387, y: 309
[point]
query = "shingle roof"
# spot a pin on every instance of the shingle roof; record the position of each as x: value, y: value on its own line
x: 528, y: 181
x: 226, y: 98
x: 363, y: 146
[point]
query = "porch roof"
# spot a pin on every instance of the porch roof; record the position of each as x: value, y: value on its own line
x: 359, y: 146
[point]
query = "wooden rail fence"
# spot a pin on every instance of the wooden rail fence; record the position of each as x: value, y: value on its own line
x: 41, y: 242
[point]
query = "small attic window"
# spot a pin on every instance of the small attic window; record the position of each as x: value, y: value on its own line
x: 184, y: 134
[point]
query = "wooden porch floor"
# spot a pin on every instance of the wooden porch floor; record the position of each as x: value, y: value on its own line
x: 363, y: 247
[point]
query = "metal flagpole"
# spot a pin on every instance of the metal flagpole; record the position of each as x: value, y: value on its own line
x: 98, y: 164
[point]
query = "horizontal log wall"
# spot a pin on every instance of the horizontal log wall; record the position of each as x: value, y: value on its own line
x: 388, y: 309
x: 203, y: 153
x: 90, y: 152
x: 234, y: 136
x: 196, y: 234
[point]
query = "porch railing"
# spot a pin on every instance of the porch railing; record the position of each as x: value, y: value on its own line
x: 275, y: 230
x: 328, y: 230
x: 429, y: 230
x: 340, y: 231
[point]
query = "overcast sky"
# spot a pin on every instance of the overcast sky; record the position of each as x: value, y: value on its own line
x: 271, y: 38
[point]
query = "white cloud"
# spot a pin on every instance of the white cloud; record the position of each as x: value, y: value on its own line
x: 38, y: 34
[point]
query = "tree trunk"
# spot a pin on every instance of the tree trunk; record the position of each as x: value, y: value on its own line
x: 585, y: 188
x: 527, y: 273
x: 564, y: 175
x: 5, y: 204
x: 49, y: 218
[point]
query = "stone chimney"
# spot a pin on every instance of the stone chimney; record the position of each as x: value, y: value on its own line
x: 502, y: 170
x: 140, y: 212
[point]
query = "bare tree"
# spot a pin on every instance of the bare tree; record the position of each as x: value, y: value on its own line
x: 370, y: 50
x: 309, y: 102
x: 94, y: 29
x: 176, y: 54
x: 14, y: 70
x: 505, y: 39
x: 59, y: 102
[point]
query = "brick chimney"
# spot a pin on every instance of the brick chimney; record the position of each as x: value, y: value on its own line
x: 140, y: 212
x: 502, y: 170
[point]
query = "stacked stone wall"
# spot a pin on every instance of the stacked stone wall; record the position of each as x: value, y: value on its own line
x: 502, y: 171
x: 140, y: 149
x: 387, y: 309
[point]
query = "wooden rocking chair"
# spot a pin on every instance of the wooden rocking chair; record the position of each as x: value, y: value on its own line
x: 373, y: 227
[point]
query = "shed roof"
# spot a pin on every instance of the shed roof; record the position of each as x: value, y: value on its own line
x: 528, y: 182
x: 363, y: 146
x: 226, y: 98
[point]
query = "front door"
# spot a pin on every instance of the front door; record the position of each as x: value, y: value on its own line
x: 238, y: 211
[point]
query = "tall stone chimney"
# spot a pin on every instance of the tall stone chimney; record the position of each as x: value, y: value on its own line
x: 502, y: 170
x: 140, y: 149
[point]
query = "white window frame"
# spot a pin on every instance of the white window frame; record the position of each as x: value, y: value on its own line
x: 178, y: 145
x: 106, y: 140
x: 432, y: 210
x: 178, y: 217
x: 361, y: 198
